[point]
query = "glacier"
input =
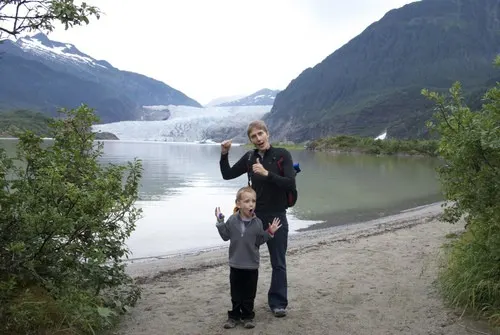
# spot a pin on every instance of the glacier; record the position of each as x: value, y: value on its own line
x: 188, y: 124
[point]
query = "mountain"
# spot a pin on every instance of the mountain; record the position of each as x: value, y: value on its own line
x: 264, y: 97
x: 373, y: 82
x: 221, y: 100
x: 44, y: 75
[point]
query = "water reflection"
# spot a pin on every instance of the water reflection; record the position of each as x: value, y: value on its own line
x: 170, y: 167
x: 335, y: 183
x: 182, y: 184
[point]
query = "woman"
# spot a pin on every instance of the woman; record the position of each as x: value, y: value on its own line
x: 271, y: 184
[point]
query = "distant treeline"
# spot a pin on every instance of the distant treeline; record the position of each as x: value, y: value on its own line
x: 367, y: 145
x: 18, y: 121
x: 13, y: 122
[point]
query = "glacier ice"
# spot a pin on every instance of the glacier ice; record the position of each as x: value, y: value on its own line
x: 188, y: 124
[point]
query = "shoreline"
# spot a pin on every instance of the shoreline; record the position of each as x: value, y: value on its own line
x: 354, y: 216
x: 373, y: 277
x: 148, y: 269
x: 358, y: 151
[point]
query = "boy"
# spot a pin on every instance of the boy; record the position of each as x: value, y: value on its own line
x: 245, y: 232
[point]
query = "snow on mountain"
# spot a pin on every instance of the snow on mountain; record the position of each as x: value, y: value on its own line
x: 40, y: 74
x: 221, y: 100
x: 40, y: 45
x: 189, y: 124
x: 264, y: 97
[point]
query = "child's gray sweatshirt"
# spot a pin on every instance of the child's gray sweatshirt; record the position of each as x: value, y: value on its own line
x: 245, y: 239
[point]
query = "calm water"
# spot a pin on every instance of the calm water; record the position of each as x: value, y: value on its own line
x: 182, y: 185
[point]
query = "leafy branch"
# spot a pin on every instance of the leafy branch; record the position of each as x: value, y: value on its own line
x: 18, y: 16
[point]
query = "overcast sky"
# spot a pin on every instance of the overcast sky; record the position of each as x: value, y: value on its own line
x: 213, y: 48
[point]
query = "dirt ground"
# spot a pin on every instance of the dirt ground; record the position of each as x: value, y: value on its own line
x: 373, y: 278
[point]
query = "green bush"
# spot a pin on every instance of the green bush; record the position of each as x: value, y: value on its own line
x: 470, y: 147
x: 64, y: 222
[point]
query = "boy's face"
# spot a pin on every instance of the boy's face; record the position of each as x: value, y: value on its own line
x: 259, y: 138
x: 247, y: 204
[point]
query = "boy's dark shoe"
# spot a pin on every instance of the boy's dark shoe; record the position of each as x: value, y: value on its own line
x: 230, y: 323
x: 279, y: 312
x: 248, y: 324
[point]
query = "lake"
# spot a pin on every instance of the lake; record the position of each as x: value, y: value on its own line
x: 182, y: 185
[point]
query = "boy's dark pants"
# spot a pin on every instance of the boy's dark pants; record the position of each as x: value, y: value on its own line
x: 277, y: 294
x: 243, y: 290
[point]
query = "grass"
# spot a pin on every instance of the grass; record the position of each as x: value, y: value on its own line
x: 451, y: 235
x: 470, y: 276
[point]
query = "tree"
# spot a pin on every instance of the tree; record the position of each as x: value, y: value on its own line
x: 18, y: 16
x: 65, y: 219
x: 470, y: 178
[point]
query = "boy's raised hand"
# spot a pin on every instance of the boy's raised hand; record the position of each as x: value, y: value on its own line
x: 273, y: 227
x: 225, y: 146
x: 218, y: 214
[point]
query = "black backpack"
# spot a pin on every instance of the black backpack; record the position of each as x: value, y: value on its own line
x: 291, y: 195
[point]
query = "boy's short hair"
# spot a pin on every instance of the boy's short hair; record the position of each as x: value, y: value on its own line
x: 246, y: 189
x: 258, y: 124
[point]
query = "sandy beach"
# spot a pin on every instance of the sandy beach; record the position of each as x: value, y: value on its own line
x: 376, y: 277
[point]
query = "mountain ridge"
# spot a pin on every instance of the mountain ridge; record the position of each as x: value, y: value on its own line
x: 263, y: 97
x: 49, y: 74
x: 223, y: 99
x: 373, y: 82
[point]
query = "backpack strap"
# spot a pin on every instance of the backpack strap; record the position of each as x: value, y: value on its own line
x: 280, y: 166
x: 249, y: 167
